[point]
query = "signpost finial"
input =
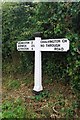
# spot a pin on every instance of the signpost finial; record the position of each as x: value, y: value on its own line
x: 38, y: 34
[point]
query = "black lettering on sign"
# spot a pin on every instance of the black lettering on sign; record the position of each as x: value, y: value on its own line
x: 24, y: 48
x: 32, y: 42
x: 27, y: 48
x: 26, y: 42
x: 43, y: 41
x: 21, y: 48
x: 21, y: 45
x: 42, y: 45
x: 23, y: 42
x: 64, y: 41
x: 32, y: 45
x: 53, y: 41
x: 62, y: 49
x: 55, y: 48
x: 52, y: 45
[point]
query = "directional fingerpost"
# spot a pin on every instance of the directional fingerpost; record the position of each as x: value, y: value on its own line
x: 38, y: 45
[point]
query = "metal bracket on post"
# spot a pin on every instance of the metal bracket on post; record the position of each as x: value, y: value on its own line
x: 38, y: 66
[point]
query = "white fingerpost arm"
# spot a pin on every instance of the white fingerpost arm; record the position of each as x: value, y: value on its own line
x: 38, y: 70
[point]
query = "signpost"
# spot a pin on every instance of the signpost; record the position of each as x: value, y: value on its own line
x: 38, y: 45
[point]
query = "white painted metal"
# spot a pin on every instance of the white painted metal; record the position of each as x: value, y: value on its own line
x: 61, y: 45
x: 39, y: 45
x: 38, y: 70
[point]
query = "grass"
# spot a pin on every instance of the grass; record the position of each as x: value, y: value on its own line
x: 22, y: 103
x: 13, y: 109
x: 13, y: 84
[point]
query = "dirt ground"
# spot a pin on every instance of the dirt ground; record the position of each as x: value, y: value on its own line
x: 55, y: 97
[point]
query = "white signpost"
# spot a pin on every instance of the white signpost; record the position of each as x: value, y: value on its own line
x: 38, y: 45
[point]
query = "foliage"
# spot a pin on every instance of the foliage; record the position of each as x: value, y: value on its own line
x: 13, y: 84
x: 54, y: 20
x: 41, y: 96
x: 56, y: 96
x: 13, y: 109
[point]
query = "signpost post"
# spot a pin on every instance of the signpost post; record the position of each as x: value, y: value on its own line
x: 38, y: 45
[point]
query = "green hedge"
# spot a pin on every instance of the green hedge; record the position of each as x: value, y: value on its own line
x: 54, y: 20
